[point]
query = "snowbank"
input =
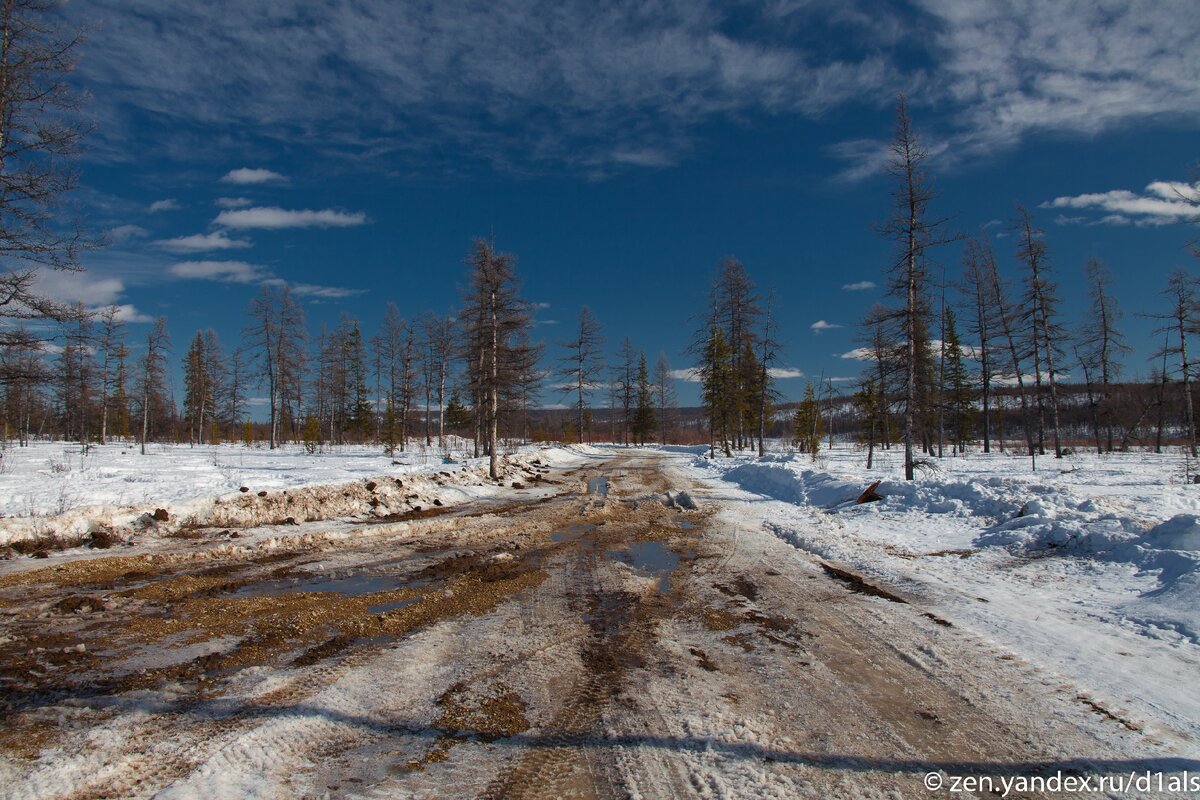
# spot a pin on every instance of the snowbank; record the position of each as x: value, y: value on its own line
x: 1089, y: 566
x: 52, y: 491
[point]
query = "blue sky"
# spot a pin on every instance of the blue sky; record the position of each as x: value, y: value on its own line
x: 621, y: 150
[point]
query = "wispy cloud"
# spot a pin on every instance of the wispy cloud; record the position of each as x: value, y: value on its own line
x: 247, y: 176
x: 170, y: 204
x: 201, y: 243
x: 785, y: 372
x: 624, y: 85
x: 127, y: 233
x: 821, y: 325
x: 233, y: 202
x: 859, y: 286
x: 272, y: 218
x: 313, y: 290
x: 223, y: 271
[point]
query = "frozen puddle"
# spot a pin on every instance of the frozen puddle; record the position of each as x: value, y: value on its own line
x: 598, y: 485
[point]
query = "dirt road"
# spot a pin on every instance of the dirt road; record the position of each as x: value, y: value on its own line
x: 592, y: 641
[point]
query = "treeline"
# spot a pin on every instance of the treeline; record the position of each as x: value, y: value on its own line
x: 474, y: 373
x: 951, y: 351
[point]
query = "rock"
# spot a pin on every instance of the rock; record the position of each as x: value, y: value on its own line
x: 290, y: 521
x: 518, y: 485
x: 41, y: 554
x: 161, y: 515
x: 437, y: 502
x: 262, y: 493
x: 371, y: 486
x: 243, y: 489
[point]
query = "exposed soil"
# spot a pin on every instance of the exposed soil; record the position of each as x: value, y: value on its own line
x: 597, y: 643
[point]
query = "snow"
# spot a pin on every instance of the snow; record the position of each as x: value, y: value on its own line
x: 1088, y: 568
x: 54, y: 489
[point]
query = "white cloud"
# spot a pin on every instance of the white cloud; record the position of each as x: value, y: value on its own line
x: 201, y: 243
x: 89, y: 288
x: 785, y: 372
x: 233, y: 202
x: 1161, y: 203
x: 223, y: 271
x: 859, y: 354
x: 128, y: 314
x: 126, y: 233
x: 858, y: 286
x: 821, y: 325
x: 312, y: 290
x: 170, y: 204
x: 79, y: 287
x: 272, y: 218
x: 247, y: 176
x: 690, y: 374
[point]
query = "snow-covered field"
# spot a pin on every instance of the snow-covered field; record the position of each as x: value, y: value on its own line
x: 52, y: 488
x: 1088, y: 568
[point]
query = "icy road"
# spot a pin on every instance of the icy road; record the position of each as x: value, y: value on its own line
x: 614, y: 630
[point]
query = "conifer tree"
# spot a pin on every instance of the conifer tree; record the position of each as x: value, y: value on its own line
x: 915, y: 235
x: 643, y: 417
x: 958, y: 396
x: 806, y: 424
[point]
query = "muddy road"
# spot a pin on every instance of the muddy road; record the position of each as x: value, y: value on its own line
x: 601, y: 639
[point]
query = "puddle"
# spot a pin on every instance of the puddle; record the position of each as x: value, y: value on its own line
x: 572, y: 532
x: 348, y: 585
x: 598, y: 485
x: 654, y: 557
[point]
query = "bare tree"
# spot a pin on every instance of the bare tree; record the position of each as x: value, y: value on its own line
x: 277, y: 333
x: 1179, y: 322
x: 1101, y: 347
x: 1041, y: 305
x: 664, y: 395
x: 154, y: 364
x: 40, y: 133
x: 982, y: 323
x: 438, y: 343
x: 768, y: 354
x: 583, y: 365
x: 110, y: 341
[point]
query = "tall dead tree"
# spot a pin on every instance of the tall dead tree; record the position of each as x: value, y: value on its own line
x: 277, y: 333
x: 582, y: 366
x: 981, y: 324
x: 1101, y: 346
x: 110, y: 341
x: 1180, y: 321
x: 154, y: 362
x: 1041, y: 302
x: 664, y: 396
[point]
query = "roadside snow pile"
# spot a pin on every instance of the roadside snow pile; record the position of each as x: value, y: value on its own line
x: 1089, y: 567
x: 181, y: 487
x: 1025, y: 515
